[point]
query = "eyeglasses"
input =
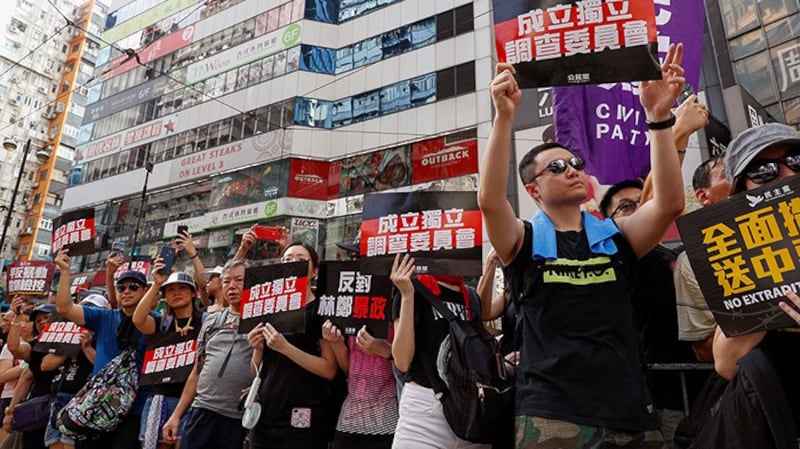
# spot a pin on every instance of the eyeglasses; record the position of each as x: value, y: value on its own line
x: 558, y: 166
x: 132, y: 287
x: 625, y: 207
x: 762, y: 171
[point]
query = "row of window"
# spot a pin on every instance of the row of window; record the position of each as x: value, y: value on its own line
x: 314, y: 59
x: 740, y: 16
x: 396, y: 97
x: 424, y: 89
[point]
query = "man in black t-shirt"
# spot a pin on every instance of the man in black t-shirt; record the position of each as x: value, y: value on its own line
x: 579, y: 383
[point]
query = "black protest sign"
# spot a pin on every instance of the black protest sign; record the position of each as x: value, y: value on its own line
x: 75, y: 231
x: 29, y: 277
x: 82, y: 281
x: 275, y: 294
x: 169, y: 358
x: 559, y: 42
x: 441, y: 230
x: 60, y: 337
x: 351, y: 299
x: 745, y: 252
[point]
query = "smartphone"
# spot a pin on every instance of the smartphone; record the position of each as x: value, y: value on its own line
x: 182, y: 229
x: 117, y: 249
x: 272, y: 233
x: 167, y: 254
x: 686, y: 92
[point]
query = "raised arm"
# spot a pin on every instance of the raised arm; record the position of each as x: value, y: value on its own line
x: 18, y: 347
x: 248, y: 240
x: 645, y: 227
x: 64, y: 304
x: 690, y: 116
x: 492, y: 304
x: 403, y: 346
x: 141, y: 316
x: 51, y: 362
x: 112, y: 265
x: 185, y: 239
x: 505, y: 231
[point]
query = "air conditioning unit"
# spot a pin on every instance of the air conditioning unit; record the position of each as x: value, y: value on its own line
x: 13, y: 28
x: 60, y: 107
x: 48, y: 116
x: 14, y: 79
x: 27, y: 231
x: 12, y: 101
x: 42, y: 90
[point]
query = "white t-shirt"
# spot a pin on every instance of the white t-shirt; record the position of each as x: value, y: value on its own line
x: 695, y: 320
x: 8, y: 388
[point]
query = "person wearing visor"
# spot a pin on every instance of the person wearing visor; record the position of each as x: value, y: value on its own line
x: 113, y: 332
x: 757, y: 157
x: 213, y: 290
x: 182, y: 316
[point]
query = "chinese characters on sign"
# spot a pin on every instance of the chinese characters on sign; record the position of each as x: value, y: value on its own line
x: 275, y: 294
x: 745, y: 252
x: 60, y: 337
x: 30, y: 277
x: 352, y: 299
x: 530, y: 32
x: 443, y: 230
x: 169, y: 358
x: 74, y: 230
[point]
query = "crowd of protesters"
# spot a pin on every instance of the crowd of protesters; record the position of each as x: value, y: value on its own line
x: 585, y: 305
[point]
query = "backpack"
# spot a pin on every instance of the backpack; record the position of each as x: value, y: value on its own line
x: 470, y: 379
x: 104, y: 401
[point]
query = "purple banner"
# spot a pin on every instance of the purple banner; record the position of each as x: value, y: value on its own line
x: 605, y: 124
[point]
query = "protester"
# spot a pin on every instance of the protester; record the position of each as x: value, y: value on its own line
x: 11, y: 368
x: 656, y: 316
x: 580, y: 380
x: 113, y: 332
x: 71, y: 374
x: 184, y: 240
x: 219, y: 376
x: 419, y: 333
x: 182, y: 317
x: 497, y: 303
x: 40, y: 380
x: 756, y: 157
x: 296, y: 371
x: 212, y: 289
x: 696, y: 323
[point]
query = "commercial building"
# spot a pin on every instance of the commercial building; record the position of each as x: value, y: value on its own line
x: 42, y: 60
x: 276, y: 112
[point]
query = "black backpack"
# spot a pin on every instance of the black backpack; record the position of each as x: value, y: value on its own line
x: 470, y: 379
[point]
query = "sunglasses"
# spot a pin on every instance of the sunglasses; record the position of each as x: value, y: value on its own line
x: 132, y: 287
x: 558, y: 166
x: 625, y: 207
x: 762, y: 171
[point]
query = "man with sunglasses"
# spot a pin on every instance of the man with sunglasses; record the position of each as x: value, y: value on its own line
x: 579, y: 383
x: 758, y: 156
x: 113, y: 330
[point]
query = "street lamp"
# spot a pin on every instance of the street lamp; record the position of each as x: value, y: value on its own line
x: 10, y: 145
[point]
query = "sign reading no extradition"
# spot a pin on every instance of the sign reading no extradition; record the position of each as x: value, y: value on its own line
x: 745, y: 253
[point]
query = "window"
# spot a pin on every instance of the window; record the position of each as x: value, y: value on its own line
x: 755, y: 75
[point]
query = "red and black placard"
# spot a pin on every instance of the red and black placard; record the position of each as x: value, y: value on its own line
x: 559, y: 42
x: 351, y: 299
x: 141, y: 264
x: 443, y: 231
x: 169, y: 358
x: 275, y: 294
x: 60, y: 336
x: 75, y: 231
x: 29, y: 277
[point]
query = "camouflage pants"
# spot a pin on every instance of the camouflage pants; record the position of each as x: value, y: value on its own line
x: 533, y: 432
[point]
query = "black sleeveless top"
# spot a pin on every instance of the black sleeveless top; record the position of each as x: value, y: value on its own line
x: 580, y: 359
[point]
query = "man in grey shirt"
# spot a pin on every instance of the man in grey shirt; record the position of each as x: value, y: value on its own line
x: 220, y: 374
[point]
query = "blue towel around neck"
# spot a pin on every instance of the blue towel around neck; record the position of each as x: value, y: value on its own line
x: 599, y: 233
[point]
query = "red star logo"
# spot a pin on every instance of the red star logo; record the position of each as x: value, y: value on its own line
x: 170, y: 125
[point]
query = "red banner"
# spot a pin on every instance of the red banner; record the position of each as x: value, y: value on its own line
x: 334, y: 177
x: 30, y: 277
x: 155, y: 50
x: 438, y: 159
x: 429, y: 230
x: 308, y: 179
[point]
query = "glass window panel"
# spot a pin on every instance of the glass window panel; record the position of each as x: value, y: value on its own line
x: 366, y: 105
x: 244, y: 77
x: 285, y: 15
x: 272, y: 19
x: 396, y: 97
x: 280, y: 64
x: 267, y: 68
x: 783, y: 30
x: 738, y: 16
x: 344, y: 59
x: 341, y: 112
x: 747, y: 44
x: 423, y: 33
x: 255, y: 72
x: 755, y: 75
x: 395, y: 42
x: 772, y: 10
x: 293, y: 59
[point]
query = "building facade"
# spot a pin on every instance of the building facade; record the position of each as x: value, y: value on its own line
x: 39, y: 63
x: 276, y: 112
